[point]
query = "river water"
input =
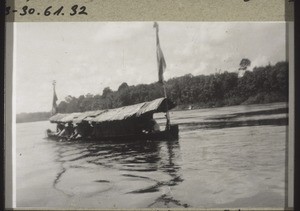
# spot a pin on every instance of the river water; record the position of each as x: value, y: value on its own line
x: 225, y: 157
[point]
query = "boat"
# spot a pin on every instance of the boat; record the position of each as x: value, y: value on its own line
x: 128, y: 123
x: 133, y: 122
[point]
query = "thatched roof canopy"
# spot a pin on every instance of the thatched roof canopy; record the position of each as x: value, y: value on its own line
x: 57, y: 117
x: 87, y: 114
x: 122, y: 113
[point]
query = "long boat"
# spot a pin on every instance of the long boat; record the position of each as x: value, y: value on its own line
x: 134, y: 122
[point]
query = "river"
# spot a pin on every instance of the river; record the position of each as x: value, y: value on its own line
x: 225, y: 157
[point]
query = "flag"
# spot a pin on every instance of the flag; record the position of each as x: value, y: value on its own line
x: 54, y: 105
x: 161, y: 63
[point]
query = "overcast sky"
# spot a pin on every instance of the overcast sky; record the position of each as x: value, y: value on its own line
x: 87, y: 57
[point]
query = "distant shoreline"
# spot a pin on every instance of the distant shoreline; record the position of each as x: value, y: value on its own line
x: 185, y: 107
x: 197, y: 106
x: 262, y: 85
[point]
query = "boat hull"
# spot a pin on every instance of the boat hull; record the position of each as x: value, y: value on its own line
x: 170, y: 134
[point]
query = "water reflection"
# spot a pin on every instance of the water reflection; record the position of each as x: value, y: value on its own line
x: 133, y: 160
x: 154, y: 169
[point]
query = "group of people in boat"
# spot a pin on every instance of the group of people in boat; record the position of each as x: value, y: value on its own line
x: 87, y: 129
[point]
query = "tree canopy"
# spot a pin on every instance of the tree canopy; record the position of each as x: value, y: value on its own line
x: 244, y: 64
x: 262, y: 85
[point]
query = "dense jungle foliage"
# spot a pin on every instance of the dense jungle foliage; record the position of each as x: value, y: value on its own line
x: 262, y: 85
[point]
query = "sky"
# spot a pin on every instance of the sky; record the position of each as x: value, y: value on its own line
x: 86, y: 57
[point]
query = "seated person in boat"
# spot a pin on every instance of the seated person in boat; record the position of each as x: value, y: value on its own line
x: 83, y: 129
x: 75, y: 134
x: 67, y: 131
x: 59, y: 127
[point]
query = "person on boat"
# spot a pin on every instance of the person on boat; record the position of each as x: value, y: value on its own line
x: 62, y: 133
x: 94, y: 130
x: 168, y: 122
x: 83, y: 129
x: 59, y: 127
x: 75, y: 134
x: 69, y: 130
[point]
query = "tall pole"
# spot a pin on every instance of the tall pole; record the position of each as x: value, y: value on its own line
x: 160, y: 59
x: 54, y: 106
x: 54, y: 93
x: 167, y: 113
x: 53, y: 83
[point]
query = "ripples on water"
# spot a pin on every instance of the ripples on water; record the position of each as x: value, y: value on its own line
x: 225, y: 157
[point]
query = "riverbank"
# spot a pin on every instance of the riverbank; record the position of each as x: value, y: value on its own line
x: 44, y: 116
x: 193, y: 106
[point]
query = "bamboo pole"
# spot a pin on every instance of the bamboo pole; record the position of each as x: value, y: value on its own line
x: 167, y: 112
x: 163, y: 83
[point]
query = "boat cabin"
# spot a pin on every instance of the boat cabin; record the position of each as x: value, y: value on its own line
x: 128, y: 121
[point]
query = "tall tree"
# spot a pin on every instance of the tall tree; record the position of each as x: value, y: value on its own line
x: 244, y: 64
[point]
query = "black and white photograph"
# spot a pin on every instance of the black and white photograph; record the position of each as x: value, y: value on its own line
x: 131, y: 115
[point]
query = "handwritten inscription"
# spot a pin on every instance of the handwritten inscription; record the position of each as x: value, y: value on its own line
x: 48, y: 11
x: 35, y: 10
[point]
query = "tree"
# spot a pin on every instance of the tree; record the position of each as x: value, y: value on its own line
x: 106, y: 92
x: 244, y: 64
x: 62, y: 107
x: 123, y: 86
x: 261, y: 85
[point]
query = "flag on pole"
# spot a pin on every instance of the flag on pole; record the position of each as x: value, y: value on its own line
x: 161, y: 63
x: 54, y: 105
